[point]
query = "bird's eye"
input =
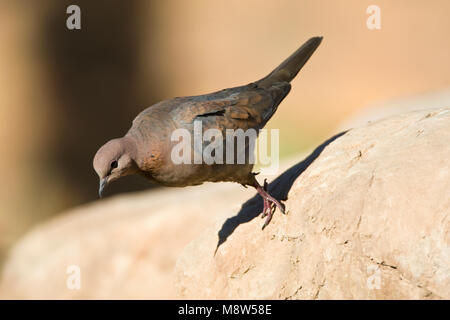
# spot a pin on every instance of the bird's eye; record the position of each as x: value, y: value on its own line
x: 114, y: 164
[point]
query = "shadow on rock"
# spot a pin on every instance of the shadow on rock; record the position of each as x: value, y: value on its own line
x: 279, y: 189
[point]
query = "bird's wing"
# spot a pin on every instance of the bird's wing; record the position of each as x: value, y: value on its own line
x: 244, y: 108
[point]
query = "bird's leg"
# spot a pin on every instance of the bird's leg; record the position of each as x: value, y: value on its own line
x: 270, y: 203
x: 267, y: 205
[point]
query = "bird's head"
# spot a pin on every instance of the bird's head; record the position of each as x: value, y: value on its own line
x: 113, y: 160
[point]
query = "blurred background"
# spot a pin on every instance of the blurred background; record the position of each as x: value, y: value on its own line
x: 63, y: 93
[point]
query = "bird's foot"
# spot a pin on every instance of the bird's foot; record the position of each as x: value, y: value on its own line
x: 268, y: 211
x: 267, y: 204
x: 270, y: 204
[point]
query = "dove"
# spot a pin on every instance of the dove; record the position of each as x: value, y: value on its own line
x: 147, y: 148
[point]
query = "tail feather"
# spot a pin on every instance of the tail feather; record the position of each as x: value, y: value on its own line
x: 290, y: 67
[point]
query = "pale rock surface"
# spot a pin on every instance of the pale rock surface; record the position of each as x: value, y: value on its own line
x: 368, y: 219
x: 125, y: 246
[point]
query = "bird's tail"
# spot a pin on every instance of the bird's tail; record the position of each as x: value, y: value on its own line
x: 289, y: 68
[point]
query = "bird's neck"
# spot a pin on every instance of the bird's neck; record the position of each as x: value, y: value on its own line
x: 130, y: 147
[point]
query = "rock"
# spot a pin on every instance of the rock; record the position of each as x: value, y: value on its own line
x: 367, y: 209
x: 125, y: 246
x: 368, y: 218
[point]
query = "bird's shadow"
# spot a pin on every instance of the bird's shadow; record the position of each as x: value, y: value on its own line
x: 279, y: 189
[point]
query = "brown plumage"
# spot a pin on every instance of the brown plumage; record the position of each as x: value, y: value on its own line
x: 146, y: 148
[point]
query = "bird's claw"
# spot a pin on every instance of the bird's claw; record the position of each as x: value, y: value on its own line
x: 270, y: 204
x: 267, y: 208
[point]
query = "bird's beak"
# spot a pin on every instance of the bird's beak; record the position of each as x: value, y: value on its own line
x: 103, y: 183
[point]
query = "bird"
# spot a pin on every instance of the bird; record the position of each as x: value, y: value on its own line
x: 146, y: 148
